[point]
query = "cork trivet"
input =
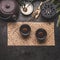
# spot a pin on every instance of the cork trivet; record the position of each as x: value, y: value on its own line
x: 15, y: 38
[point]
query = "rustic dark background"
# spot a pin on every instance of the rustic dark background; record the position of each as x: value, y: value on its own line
x: 28, y: 53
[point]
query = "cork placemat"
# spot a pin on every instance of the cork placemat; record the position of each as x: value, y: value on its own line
x: 15, y: 38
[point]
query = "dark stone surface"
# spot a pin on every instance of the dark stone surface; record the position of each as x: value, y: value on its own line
x: 28, y: 53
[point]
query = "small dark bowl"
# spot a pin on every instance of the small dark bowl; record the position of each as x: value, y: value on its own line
x: 41, y: 35
x: 25, y: 30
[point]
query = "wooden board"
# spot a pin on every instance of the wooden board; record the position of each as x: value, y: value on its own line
x: 15, y: 38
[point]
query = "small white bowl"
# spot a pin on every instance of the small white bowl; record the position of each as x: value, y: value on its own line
x: 29, y: 8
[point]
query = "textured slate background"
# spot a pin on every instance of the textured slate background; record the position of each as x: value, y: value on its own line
x: 28, y: 53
